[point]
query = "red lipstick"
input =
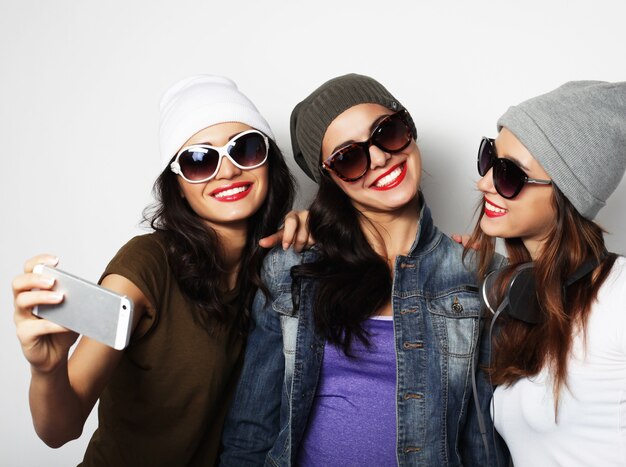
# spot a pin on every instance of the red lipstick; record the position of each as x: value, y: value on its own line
x: 236, y: 195
x: 395, y: 182
x: 490, y: 213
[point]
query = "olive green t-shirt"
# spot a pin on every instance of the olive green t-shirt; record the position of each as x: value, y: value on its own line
x: 166, y: 402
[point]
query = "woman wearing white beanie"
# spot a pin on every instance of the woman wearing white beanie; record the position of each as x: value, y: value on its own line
x: 560, y: 356
x: 224, y: 186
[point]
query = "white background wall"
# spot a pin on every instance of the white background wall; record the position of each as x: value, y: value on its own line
x: 80, y: 83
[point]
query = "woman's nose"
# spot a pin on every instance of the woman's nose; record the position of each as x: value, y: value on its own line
x: 485, y: 183
x: 378, y: 157
x: 227, y: 170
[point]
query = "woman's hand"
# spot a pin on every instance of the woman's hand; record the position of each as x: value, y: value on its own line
x: 464, y: 240
x: 45, y: 344
x: 295, y: 233
x: 63, y: 391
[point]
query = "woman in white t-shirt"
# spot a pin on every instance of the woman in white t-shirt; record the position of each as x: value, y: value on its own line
x: 561, y: 368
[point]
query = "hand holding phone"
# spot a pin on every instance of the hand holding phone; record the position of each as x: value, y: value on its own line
x: 88, y: 309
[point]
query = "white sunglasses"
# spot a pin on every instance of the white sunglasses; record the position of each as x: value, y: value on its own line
x: 201, y: 162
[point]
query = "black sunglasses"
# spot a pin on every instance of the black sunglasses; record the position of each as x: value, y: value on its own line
x: 508, y: 177
x: 351, y: 162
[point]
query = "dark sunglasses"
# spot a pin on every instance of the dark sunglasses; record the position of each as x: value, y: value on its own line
x: 508, y: 177
x: 200, y: 162
x: 351, y: 162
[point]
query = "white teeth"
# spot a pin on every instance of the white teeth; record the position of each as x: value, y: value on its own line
x: 231, y: 192
x: 491, y: 207
x: 387, y: 179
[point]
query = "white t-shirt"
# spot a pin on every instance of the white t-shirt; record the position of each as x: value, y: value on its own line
x: 591, y: 427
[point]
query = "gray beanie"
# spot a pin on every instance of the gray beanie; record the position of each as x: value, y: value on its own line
x: 311, y: 117
x: 578, y: 134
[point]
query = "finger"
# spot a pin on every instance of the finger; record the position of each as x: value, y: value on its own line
x: 302, y: 239
x: 290, y: 231
x: 31, y: 330
x: 271, y: 240
x: 48, y: 260
x: 303, y: 216
x: 456, y: 237
x: 307, y: 243
x: 25, y: 282
x: 465, y: 240
x: 25, y: 301
x: 473, y: 246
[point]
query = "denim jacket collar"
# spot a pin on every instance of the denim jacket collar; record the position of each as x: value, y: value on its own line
x: 426, y: 237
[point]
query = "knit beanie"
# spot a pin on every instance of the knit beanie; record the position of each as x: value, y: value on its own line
x: 578, y: 134
x: 311, y: 117
x: 198, y: 102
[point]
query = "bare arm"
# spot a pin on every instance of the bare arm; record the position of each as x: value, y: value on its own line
x: 63, y: 392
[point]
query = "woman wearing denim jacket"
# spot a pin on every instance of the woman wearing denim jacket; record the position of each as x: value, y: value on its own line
x: 362, y: 353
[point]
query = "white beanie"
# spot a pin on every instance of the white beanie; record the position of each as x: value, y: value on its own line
x: 198, y: 102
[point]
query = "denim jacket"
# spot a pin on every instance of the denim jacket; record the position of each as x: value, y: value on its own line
x: 437, y: 323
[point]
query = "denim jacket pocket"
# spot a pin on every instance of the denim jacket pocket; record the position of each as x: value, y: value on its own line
x: 455, y: 318
x: 283, y: 305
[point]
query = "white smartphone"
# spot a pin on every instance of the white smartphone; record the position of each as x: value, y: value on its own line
x: 88, y: 309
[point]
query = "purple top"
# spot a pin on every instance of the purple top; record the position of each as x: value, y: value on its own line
x: 353, y: 419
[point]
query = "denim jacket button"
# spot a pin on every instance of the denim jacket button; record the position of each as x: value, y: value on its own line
x: 413, y: 345
x: 407, y: 265
x: 412, y: 395
x: 410, y: 449
x: 456, y: 306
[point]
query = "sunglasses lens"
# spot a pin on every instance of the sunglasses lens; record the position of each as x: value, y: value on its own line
x: 350, y: 162
x: 392, y: 134
x: 198, y: 164
x: 508, y: 178
x: 485, y: 157
x: 249, y: 150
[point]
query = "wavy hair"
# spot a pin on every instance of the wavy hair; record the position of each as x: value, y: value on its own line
x: 520, y: 349
x: 194, y: 251
x: 353, y: 280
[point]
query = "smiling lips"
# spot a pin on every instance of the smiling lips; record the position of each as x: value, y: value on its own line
x: 232, y: 192
x: 390, y: 179
x: 493, y: 210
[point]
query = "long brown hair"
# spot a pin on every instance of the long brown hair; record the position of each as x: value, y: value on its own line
x: 354, y: 280
x: 193, y: 248
x: 521, y: 349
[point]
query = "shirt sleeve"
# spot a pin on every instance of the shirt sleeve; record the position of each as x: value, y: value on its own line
x: 143, y: 261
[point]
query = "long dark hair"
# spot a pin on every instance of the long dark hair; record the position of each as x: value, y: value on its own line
x: 353, y: 280
x: 520, y: 349
x: 194, y: 252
